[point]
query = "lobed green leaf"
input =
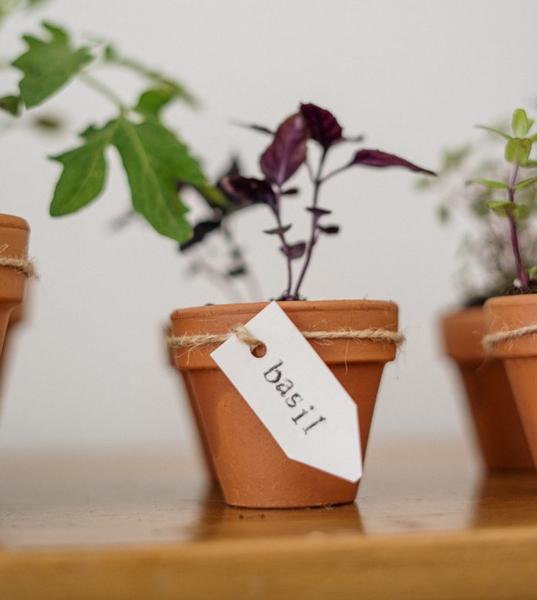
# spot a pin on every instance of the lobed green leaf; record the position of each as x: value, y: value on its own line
x: 48, y: 64
x: 84, y: 172
x: 154, y: 160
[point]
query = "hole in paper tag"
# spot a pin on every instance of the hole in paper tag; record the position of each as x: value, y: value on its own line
x: 295, y: 395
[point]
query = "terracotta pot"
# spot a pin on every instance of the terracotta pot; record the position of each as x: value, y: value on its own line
x: 494, y: 412
x: 14, y: 234
x: 202, y: 437
x: 252, y: 469
x: 519, y: 355
x: 202, y: 440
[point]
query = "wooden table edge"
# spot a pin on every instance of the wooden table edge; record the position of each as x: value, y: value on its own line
x: 489, y: 563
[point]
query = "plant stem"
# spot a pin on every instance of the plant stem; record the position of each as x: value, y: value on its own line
x: 219, y: 279
x: 236, y: 250
x: 285, y: 245
x: 521, y: 269
x: 103, y: 90
x: 317, y: 182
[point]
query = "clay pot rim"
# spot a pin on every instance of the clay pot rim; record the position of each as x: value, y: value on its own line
x: 290, y: 306
x: 462, y: 331
x: 13, y: 222
x: 513, y: 300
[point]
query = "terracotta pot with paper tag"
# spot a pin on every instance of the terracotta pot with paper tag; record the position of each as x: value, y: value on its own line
x: 14, y: 235
x: 514, y: 317
x: 253, y: 469
x: 493, y: 409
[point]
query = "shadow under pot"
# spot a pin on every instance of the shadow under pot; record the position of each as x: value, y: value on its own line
x: 495, y: 416
x: 252, y: 469
x: 14, y: 268
x: 512, y: 338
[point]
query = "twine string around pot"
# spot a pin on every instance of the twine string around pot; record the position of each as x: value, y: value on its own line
x: 490, y: 340
x: 192, y: 341
x: 18, y: 264
x: 23, y: 265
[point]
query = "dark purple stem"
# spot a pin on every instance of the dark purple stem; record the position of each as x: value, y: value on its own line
x: 521, y: 269
x: 285, y: 245
x: 255, y: 290
x: 314, y: 236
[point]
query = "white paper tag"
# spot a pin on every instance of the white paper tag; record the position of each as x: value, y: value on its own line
x: 296, y: 396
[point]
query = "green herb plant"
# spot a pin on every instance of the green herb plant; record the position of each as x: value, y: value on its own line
x: 153, y: 156
x: 486, y: 263
x: 505, y: 200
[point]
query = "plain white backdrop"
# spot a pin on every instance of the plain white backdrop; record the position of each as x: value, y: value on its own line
x: 89, y: 366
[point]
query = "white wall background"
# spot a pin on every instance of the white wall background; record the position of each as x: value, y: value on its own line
x: 89, y: 367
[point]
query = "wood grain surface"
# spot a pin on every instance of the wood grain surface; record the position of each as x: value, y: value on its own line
x: 143, y: 523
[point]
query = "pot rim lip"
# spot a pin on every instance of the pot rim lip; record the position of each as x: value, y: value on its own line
x: 289, y: 305
x: 13, y: 222
x: 461, y: 311
x: 513, y: 300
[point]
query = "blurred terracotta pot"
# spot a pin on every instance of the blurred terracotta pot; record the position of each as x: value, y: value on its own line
x: 14, y: 235
x: 518, y: 354
x: 252, y: 468
x: 494, y: 412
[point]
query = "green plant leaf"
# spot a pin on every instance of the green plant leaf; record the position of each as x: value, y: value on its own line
x: 213, y: 195
x: 501, y: 207
x: 84, y: 172
x: 494, y: 130
x: 154, y: 160
x: 521, y: 211
x: 521, y: 124
x: 48, y: 64
x: 490, y: 183
x: 532, y: 272
x: 525, y: 183
x: 517, y: 151
x: 152, y: 101
x: 452, y: 159
x: 11, y: 104
x: 505, y: 208
x: 443, y: 213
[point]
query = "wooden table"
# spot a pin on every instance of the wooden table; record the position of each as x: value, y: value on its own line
x: 117, y: 524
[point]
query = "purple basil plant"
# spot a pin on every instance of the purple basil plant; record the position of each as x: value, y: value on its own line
x: 284, y: 156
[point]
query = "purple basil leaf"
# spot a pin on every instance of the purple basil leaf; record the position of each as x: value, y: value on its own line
x: 254, y: 127
x: 287, y: 152
x: 380, y: 159
x: 329, y: 229
x: 234, y: 168
x: 248, y: 190
x: 290, y: 191
x: 278, y: 230
x: 237, y: 271
x: 200, y: 232
x: 294, y: 251
x: 318, y: 212
x: 322, y: 124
